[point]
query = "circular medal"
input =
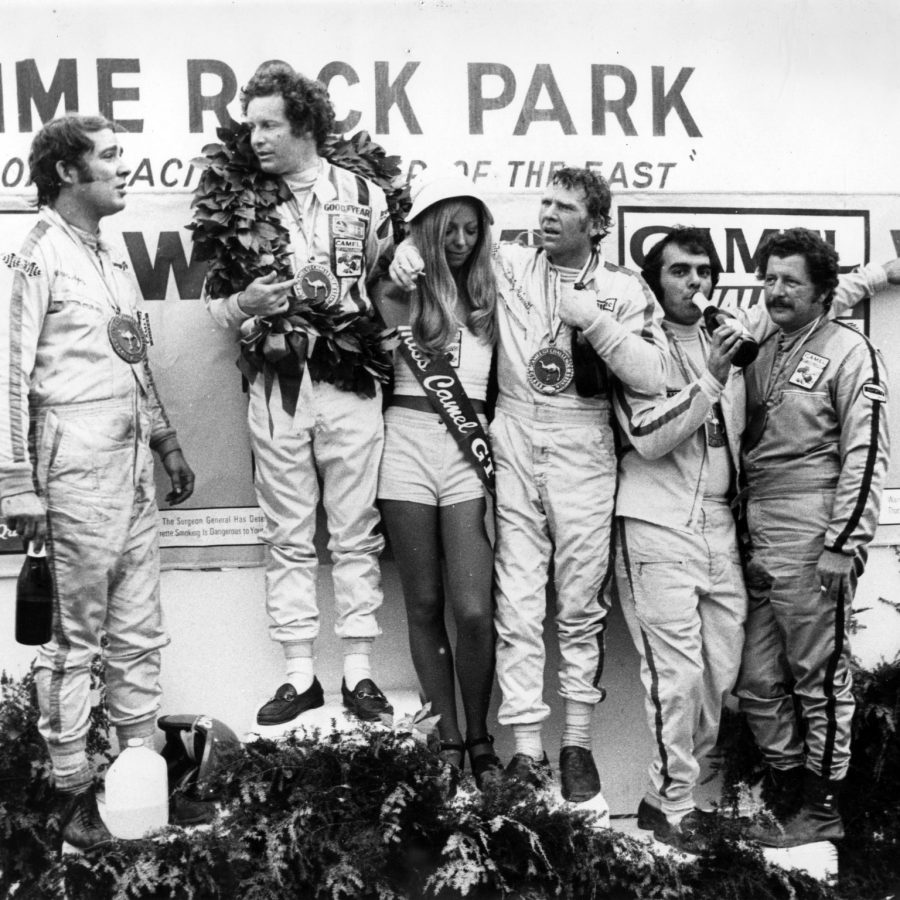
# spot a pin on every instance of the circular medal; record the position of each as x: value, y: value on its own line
x: 126, y: 338
x: 317, y: 283
x: 550, y: 370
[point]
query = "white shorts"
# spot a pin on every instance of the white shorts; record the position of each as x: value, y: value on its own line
x: 422, y: 462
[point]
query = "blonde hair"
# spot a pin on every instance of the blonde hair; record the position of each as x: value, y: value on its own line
x: 433, y: 308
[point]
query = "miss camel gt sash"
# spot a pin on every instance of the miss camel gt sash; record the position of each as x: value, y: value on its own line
x: 448, y: 397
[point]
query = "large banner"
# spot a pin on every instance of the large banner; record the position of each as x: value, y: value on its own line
x: 736, y: 116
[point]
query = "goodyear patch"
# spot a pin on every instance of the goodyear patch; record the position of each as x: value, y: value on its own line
x: 21, y: 264
x: 347, y: 209
x: 874, y: 392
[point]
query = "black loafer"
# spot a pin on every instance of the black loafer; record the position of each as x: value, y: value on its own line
x: 287, y: 704
x: 578, y: 775
x: 365, y: 701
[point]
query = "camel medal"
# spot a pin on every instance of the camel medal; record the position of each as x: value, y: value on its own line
x: 550, y: 370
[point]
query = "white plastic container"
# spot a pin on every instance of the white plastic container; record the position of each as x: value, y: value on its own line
x: 137, y: 792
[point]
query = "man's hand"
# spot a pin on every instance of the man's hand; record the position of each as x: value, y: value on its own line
x: 578, y: 309
x: 266, y: 297
x: 756, y: 576
x: 893, y: 271
x: 833, y: 568
x: 25, y: 514
x: 723, y: 344
x: 406, y: 266
x: 182, y: 477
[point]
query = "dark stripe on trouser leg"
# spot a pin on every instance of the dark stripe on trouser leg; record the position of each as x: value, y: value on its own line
x: 654, y: 675
x: 601, y: 634
x: 601, y: 657
x: 828, y: 685
x: 657, y: 719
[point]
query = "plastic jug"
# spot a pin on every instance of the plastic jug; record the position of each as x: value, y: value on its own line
x: 137, y: 792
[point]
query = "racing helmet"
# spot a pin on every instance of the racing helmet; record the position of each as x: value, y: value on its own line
x: 194, y: 748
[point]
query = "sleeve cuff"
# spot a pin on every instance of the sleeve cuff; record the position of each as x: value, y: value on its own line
x: 164, y: 444
x: 711, y: 386
x: 17, y: 483
x: 875, y: 276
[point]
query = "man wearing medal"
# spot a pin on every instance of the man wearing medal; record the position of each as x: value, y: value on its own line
x: 339, y: 228
x: 569, y: 322
x: 80, y: 416
x: 815, y: 456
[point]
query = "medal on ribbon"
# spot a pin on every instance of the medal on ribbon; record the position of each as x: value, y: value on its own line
x: 715, y: 428
x: 315, y: 282
x: 126, y: 338
x: 550, y: 370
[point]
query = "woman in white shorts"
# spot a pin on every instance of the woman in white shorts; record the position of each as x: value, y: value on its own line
x: 432, y: 500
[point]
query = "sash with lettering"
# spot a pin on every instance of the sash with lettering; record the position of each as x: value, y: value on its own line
x: 448, y: 397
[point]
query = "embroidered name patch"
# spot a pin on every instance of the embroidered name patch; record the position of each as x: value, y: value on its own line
x: 808, y: 370
x: 874, y: 392
x: 25, y: 266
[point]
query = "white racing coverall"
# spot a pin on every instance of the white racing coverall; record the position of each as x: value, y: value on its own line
x: 77, y: 424
x: 334, y: 435
x: 678, y: 571
x: 556, y: 475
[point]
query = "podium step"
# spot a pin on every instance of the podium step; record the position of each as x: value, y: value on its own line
x: 332, y: 715
x: 820, y: 859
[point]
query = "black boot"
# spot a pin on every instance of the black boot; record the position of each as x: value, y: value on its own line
x: 82, y: 827
x: 782, y: 791
x: 818, y: 819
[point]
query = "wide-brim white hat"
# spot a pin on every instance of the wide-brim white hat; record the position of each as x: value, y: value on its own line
x: 426, y: 190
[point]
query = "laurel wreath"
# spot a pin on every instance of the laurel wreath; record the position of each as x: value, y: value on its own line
x: 237, y: 229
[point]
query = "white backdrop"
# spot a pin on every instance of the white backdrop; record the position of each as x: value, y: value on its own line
x: 734, y: 115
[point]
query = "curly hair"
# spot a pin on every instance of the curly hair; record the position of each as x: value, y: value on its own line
x: 687, y: 238
x: 597, y: 195
x: 307, y: 105
x: 65, y: 139
x: 821, y: 258
x: 433, y: 317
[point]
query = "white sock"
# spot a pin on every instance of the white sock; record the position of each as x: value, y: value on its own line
x: 528, y: 740
x: 578, y: 720
x: 357, y: 660
x: 300, y: 665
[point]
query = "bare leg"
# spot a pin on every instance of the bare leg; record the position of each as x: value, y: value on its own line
x: 414, y: 535
x: 469, y: 567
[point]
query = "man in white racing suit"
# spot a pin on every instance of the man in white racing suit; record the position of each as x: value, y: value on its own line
x: 310, y: 419
x: 80, y: 416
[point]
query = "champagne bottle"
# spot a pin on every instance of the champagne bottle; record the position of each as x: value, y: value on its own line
x: 34, y: 598
x: 713, y: 316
